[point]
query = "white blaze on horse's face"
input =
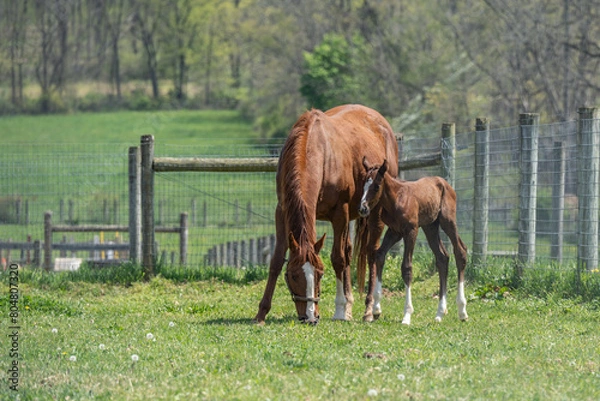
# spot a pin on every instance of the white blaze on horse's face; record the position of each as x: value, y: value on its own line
x: 309, y: 274
x: 364, y: 206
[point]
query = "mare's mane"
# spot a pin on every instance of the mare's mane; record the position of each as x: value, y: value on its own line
x: 298, y: 218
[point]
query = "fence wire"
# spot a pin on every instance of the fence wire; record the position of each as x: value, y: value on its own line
x: 88, y: 184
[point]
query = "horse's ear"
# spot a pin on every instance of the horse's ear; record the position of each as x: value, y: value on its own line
x: 383, y: 167
x: 319, y: 243
x: 292, y: 243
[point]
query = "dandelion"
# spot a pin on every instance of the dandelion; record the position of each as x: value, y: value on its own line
x: 401, y: 377
x: 135, y: 358
x: 149, y: 336
x: 72, y: 358
x: 372, y: 393
x: 102, y: 347
x: 171, y: 324
x: 54, y: 330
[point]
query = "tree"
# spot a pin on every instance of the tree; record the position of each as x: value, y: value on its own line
x: 50, y: 67
x: 114, y: 11
x: 16, y: 14
x: 146, y: 21
x: 330, y: 77
x: 183, y: 31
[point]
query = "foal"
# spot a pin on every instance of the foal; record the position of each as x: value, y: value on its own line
x: 429, y: 203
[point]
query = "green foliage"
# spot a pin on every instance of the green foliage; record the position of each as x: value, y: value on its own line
x: 331, y: 72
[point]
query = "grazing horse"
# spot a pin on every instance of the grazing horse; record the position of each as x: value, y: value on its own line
x: 429, y: 203
x: 320, y: 177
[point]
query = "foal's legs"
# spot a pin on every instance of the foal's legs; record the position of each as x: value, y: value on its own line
x: 460, y: 254
x: 409, y: 246
x: 432, y: 232
x: 340, y: 259
x: 274, y: 268
x: 373, y: 299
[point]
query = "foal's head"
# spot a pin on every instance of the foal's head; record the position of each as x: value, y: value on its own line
x: 373, y: 187
x: 303, y: 278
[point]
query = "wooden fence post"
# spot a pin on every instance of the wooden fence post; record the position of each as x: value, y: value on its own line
x: 448, y: 151
x: 135, y: 201
x: 558, y: 201
x: 481, y: 192
x: 37, y: 253
x: 588, y: 168
x: 147, y: 183
x: 183, y: 238
x: 48, y: 240
x: 529, y: 133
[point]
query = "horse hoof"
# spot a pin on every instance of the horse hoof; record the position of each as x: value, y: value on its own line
x: 368, y: 318
x: 438, y: 319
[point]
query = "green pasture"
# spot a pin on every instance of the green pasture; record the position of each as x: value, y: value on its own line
x: 81, y: 159
x: 177, y: 127
x: 194, y: 339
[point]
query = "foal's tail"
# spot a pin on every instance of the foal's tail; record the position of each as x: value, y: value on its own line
x: 361, y: 239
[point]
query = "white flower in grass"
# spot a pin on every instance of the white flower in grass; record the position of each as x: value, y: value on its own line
x: 372, y: 393
x: 102, y: 347
x: 135, y: 358
x: 401, y: 377
x: 54, y: 330
x: 149, y: 336
x: 72, y: 358
x: 171, y: 324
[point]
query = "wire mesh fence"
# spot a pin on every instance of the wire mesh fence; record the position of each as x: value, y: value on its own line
x: 88, y: 184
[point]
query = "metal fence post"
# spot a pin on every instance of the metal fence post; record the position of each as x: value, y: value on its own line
x: 48, y: 241
x: 558, y: 201
x: 147, y: 182
x: 481, y: 191
x: 183, y: 238
x: 529, y: 138
x: 588, y: 167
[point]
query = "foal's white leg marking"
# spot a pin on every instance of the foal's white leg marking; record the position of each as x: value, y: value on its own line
x: 461, y: 302
x: 310, y: 290
x: 408, y: 307
x: 340, y: 301
x: 377, y: 298
x: 442, y: 308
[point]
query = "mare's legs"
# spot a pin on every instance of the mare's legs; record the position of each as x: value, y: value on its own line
x: 432, y: 232
x: 409, y: 246
x: 460, y: 254
x: 275, y: 267
x: 340, y: 259
x: 373, y: 299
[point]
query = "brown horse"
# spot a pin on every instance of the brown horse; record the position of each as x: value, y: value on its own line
x: 429, y: 203
x: 320, y: 177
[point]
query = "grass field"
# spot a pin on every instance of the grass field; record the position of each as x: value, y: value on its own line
x: 195, y: 340
x: 190, y: 328
x: 181, y: 127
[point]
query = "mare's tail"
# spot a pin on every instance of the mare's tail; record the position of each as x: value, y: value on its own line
x: 361, y: 239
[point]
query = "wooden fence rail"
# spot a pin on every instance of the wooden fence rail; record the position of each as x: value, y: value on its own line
x: 49, y: 246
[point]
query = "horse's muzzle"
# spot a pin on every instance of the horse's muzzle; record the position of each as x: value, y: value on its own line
x: 363, y: 210
x: 312, y: 322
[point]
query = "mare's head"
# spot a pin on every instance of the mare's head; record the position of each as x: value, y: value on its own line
x: 373, y: 187
x: 303, y: 277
